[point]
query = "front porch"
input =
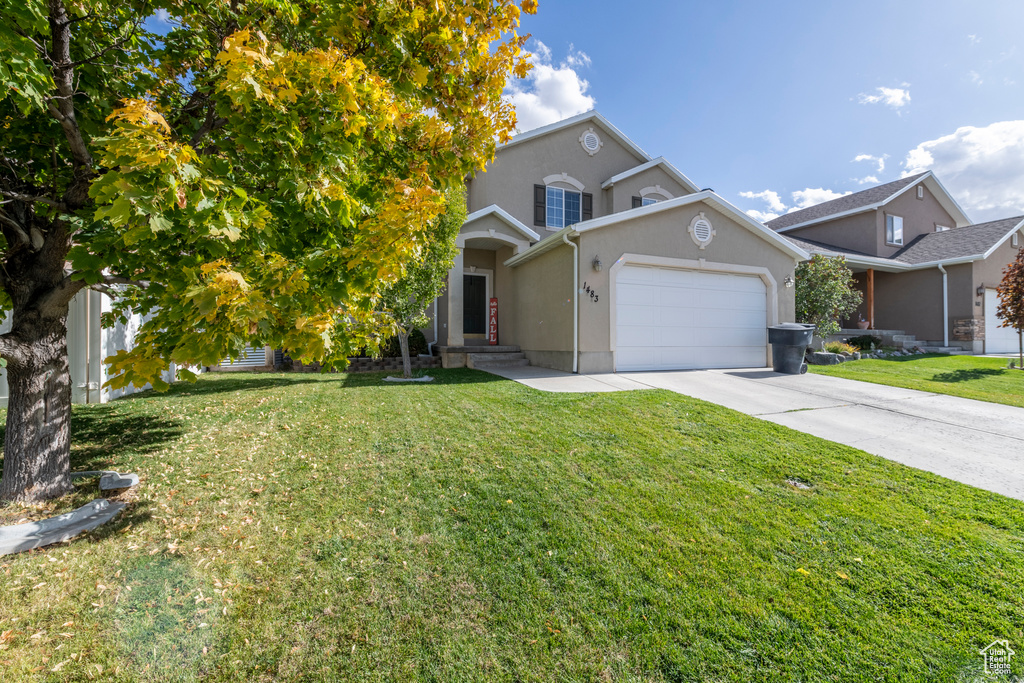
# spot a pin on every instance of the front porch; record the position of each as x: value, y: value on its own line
x: 476, y: 313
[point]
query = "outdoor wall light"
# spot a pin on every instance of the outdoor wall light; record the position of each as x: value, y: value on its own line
x: 597, y: 263
x: 981, y: 289
x: 789, y: 281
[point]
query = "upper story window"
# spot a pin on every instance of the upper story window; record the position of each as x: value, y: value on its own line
x: 556, y: 207
x: 894, y: 230
x: 563, y: 207
x: 645, y: 201
x: 941, y: 228
x: 920, y: 192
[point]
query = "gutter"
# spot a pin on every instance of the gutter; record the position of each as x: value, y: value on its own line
x: 945, y: 306
x: 575, y: 301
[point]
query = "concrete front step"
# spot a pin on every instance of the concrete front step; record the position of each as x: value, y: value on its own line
x: 948, y: 350
x: 492, y: 364
x: 496, y: 360
x: 483, y: 348
x: 904, y: 338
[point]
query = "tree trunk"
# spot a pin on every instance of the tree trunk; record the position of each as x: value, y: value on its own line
x: 37, y: 443
x: 403, y: 341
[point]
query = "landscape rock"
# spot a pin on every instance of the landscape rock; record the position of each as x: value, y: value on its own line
x: 825, y: 358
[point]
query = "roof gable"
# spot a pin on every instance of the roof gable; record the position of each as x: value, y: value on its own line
x: 867, y: 200
x: 591, y: 116
x: 505, y: 217
x: 707, y: 196
x: 661, y: 162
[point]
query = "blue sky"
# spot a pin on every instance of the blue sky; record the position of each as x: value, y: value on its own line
x: 785, y: 104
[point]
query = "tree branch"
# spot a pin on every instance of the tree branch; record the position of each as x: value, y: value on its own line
x: 62, y: 108
x: 33, y: 199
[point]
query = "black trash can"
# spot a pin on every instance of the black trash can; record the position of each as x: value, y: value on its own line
x: 789, y: 342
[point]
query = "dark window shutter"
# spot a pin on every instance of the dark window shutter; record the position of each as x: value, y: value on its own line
x: 587, y: 210
x: 540, y: 196
x: 637, y: 202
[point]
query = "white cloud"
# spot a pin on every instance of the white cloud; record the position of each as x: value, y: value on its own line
x: 878, y: 161
x: 550, y: 93
x: 576, y: 58
x: 812, y: 196
x: 982, y: 167
x: 769, y: 196
x: 975, y: 77
x: 973, y: 37
x: 868, y: 179
x: 162, y: 16
x: 762, y: 216
x: 891, y: 97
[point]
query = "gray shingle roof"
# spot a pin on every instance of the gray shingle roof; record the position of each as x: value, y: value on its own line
x: 966, y: 241
x: 969, y: 240
x: 812, y: 247
x: 849, y: 202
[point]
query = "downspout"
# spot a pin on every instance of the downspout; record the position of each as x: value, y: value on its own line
x: 575, y: 300
x: 945, y: 306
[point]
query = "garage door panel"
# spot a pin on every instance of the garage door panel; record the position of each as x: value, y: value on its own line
x: 669, y: 318
x: 997, y: 339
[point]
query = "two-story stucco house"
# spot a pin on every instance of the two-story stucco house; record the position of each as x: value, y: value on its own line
x: 601, y: 258
x: 921, y: 264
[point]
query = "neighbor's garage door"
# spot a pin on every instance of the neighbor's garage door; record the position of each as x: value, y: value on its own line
x: 669, y: 319
x: 997, y: 339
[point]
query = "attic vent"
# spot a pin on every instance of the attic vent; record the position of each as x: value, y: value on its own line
x: 591, y: 141
x: 701, y: 230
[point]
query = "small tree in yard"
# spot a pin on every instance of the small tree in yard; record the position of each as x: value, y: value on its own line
x: 1011, y: 300
x: 252, y: 171
x: 405, y: 302
x: 825, y: 293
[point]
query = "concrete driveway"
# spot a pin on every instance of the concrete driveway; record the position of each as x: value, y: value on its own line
x: 974, y: 442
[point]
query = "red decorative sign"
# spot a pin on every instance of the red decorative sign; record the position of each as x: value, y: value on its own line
x: 492, y: 322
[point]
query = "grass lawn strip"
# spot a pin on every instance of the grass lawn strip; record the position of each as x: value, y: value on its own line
x: 977, y: 377
x: 338, y: 528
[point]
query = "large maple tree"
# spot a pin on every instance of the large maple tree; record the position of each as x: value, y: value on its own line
x: 241, y: 172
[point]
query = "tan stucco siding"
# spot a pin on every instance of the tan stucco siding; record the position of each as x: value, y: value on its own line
x: 665, y: 235
x: 509, y: 179
x: 920, y: 216
x: 542, y: 292
x: 620, y: 195
x: 856, y: 233
x: 494, y: 230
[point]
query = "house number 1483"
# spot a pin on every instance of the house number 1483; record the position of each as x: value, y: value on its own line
x: 590, y: 292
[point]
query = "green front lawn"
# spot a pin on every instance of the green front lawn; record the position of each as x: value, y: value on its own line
x: 984, y: 379
x: 304, y: 527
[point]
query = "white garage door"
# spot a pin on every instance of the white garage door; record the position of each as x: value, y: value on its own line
x: 669, y: 319
x: 997, y: 339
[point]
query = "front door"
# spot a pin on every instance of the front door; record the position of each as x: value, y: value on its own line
x: 474, y: 305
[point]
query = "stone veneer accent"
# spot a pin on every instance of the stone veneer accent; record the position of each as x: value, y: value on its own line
x: 969, y: 329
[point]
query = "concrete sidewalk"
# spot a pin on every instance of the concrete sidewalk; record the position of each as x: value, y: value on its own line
x: 974, y: 442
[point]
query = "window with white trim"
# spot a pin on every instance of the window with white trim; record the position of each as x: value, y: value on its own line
x: 563, y: 207
x: 941, y: 228
x: 649, y: 199
x: 1014, y: 241
x: 894, y: 229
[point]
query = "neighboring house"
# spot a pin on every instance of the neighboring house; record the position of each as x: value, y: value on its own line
x: 921, y: 264
x: 88, y: 345
x: 602, y: 258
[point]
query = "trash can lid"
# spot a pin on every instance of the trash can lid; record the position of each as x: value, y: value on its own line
x: 791, y: 326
